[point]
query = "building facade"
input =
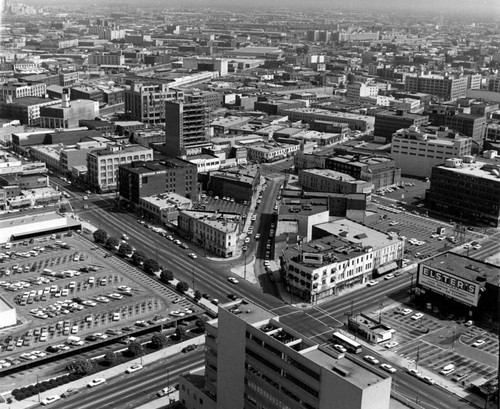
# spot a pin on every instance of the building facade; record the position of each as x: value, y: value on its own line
x: 467, y: 191
x: 445, y: 87
x: 103, y: 164
x: 215, y: 232
x: 330, y: 181
x: 254, y: 361
x: 140, y: 179
x: 145, y: 102
x: 388, y: 122
x: 415, y: 151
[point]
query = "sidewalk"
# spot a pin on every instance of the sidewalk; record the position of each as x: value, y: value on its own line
x: 110, y: 373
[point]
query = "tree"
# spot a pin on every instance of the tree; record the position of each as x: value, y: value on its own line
x: 136, y: 348
x: 166, y: 275
x: 151, y: 266
x: 100, y: 236
x: 180, y: 332
x: 159, y: 340
x: 182, y: 287
x: 200, y: 324
x: 63, y: 208
x: 197, y: 295
x: 125, y: 249
x: 110, y: 358
x: 138, y: 257
x: 112, y: 243
x: 82, y: 366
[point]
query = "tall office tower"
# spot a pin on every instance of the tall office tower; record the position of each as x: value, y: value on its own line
x: 186, y: 126
x: 253, y: 361
x: 146, y: 102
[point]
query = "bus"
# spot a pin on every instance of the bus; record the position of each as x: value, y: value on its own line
x: 346, y: 342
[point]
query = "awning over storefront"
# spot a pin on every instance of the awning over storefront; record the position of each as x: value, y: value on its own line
x: 387, y: 268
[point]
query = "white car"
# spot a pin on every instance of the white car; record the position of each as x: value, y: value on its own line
x: 371, y: 283
x: 388, y: 276
x: 125, y: 237
x: 415, y: 373
x: 388, y: 368
x: 406, y: 311
x: 267, y: 263
x: 192, y: 255
x: 95, y: 382
x: 247, y: 240
x: 417, y: 316
x: 50, y: 399
x: 391, y: 344
x: 478, y: 343
x: 371, y: 359
x: 232, y: 280
x: 428, y: 380
x: 134, y: 368
x: 340, y: 348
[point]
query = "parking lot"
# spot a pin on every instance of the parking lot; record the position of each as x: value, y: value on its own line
x: 73, y: 288
x: 433, y: 344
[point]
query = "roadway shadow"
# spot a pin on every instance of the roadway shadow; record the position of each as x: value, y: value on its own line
x: 268, y: 285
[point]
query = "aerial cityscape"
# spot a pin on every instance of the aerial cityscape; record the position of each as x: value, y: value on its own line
x: 210, y: 205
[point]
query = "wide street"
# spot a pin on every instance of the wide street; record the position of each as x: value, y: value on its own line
x: 210, y: 276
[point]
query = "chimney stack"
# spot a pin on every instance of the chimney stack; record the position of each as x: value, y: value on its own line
x: 65, y: 98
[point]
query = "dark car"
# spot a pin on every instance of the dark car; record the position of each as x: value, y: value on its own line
x: 70, y: 392
x: 232, y: 296
x: 189, y: 348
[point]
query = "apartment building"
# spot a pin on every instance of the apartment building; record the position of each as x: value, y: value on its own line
x: 186, y: 126
x: 103, y: 164
x: 416, y: 150
x: 145, y: 102
x: 466, y: 190
x: 494, y: 84
x: 213, y: 231
x: 341, y: 253
x: 330, y: 181
x: 254, y: 361
x: 446, y: 87
x: 173, y: 175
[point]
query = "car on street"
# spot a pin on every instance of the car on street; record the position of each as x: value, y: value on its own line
x: 371, y: 359
x: 133, y: 368
x: 165, y: 391
x: 96, y: 382
x: 415, y: 373
x: 340, y: 348
x: 469, y: 323
x: 247, y: 240
x: 406, y: 311
x: 193, y: 255
x: 232, y: 280
x: 428, y: 380
x: 125, y: 237
x: 233, y: 296
x: 371, y: 283
x: 189, y: 348
x: 50, y: 399
x: 478, y: 343
x: 70, y: 392
x: 417, y: 316
x: 267, y: 263
x: 388, y: 276
x: 388, y: 368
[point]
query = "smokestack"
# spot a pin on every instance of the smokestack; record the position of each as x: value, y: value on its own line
x: 65, y: 98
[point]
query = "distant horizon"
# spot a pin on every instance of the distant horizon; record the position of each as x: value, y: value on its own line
x: 452, y: 7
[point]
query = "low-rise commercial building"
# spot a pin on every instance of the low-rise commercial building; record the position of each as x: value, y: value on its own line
x: 341, y: 254
x: 388, y: 122
x: 163, y: 208
x: 460, y: 285
x: 330, y: 181
x: 213, y: 231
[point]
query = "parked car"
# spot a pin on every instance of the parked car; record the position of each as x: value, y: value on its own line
x: 417, y: 316
x: 388, y: 368
x: 134, y: 368
x: 478, y: 343
x: 371, y: 359
x: 96, y: 382
x: 189, y: 348
x: 232, y: 280
x: 371, y: 283
x: 70, y: 392
x: 50, y: 399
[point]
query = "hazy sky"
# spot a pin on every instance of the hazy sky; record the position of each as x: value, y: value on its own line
x: 442, y: 6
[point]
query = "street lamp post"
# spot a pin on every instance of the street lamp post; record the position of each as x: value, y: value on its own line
x: 193, y: 279
x: 245, y: 271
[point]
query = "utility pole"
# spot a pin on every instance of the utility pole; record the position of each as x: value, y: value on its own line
x: 193, y: 278
x: 245, y: 271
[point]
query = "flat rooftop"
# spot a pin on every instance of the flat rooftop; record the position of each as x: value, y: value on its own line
x: 465, y: 267
x: 475, y: 170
